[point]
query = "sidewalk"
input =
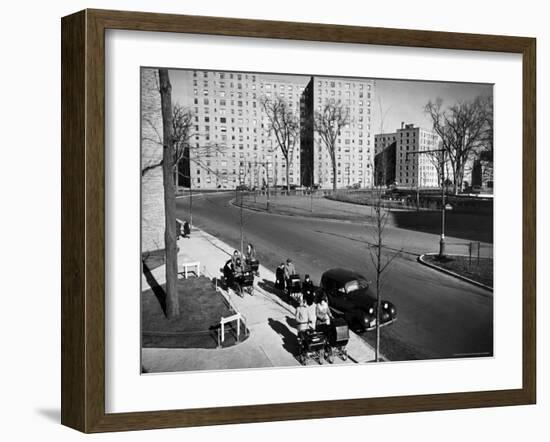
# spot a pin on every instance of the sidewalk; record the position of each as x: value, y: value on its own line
x: 272, y: 341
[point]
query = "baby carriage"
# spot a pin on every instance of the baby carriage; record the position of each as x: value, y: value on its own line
x: 337, y: 340
x: 311, y: 346
x: 254, y: 266
x: 244, y: 281
x: 294, y: 289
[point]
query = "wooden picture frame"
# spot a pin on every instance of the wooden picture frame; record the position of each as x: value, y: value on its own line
x: 83, y: 219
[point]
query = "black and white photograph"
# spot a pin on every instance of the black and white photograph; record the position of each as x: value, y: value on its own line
x: 295, y: 220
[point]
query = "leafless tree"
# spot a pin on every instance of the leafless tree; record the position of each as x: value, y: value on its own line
x: 181, y: 146
x: 380, y: 259
x: 284, y: 125
x: 170, y: 238
x: 464, y: 132
x: 329, y: 123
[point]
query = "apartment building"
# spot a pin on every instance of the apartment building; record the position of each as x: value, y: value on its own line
x: 413, y: 169
x: 385, y: 146
x: 231, y: 144
x: 354, y: 150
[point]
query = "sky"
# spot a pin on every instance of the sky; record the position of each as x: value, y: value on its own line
x: 404, y: 101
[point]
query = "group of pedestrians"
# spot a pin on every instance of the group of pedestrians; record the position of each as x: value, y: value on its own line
x: 313, y: 314
x: 313, y: 311
x: 283, y: 273
x: 236, y: 266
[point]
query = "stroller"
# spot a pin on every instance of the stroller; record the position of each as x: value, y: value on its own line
x: 294, y: 289
x: 337, y: 340
x: 312, y: 346
x: 254, y: 265
x: 244, y: 282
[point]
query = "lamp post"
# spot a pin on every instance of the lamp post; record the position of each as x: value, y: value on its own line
x: 442, y: 237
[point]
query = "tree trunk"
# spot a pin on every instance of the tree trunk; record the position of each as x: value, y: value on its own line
x: 170, y: 242
x: 287, y: 176
x: 334, y: 175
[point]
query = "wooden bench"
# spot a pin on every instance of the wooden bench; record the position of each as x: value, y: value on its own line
x: 185, y: 266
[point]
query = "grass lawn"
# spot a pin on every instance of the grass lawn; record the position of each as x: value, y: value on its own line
x: 201, y: 308
x: 480, y: 271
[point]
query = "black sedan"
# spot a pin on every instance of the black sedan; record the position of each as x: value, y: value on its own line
x: 349, y: 295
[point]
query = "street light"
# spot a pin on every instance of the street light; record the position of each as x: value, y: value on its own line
x: 442, y: 237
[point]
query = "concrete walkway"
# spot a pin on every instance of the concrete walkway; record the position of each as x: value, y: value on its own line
x: 272, y: 341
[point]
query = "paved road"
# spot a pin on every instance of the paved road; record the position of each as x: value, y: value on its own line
x: 439, y: 316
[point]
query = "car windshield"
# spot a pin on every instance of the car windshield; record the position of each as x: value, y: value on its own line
x: 355, y: 285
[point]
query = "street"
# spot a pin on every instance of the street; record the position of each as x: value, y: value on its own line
x: 439, y: 316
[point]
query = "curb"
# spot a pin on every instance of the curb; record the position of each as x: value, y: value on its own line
x: 448, y: 272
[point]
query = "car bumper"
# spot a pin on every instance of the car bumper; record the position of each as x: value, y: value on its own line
x: 373, y: 327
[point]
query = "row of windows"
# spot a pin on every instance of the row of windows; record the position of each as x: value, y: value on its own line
x: 223, y: 75
x: 348, y: 85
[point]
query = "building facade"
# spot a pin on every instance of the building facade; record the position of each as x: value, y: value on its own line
x: 152, y: 188
x: 231, y: 143
x: 354, y: 150
x: 413, y: 169
x: 385, y: 146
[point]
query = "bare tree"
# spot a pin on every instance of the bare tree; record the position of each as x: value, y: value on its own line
x: 284, y: 125
x: 181, y: 146
x: 381, y: 260
x: 328, y: 124
x: 381, y: 158
x: 182, y: 123
x: 463, y: 129
x: 380, y: 215
x: 183, y: 150
x: 170, y: 240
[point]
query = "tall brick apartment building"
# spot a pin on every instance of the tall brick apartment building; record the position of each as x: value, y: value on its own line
x: 355, y: 146
x: 229, y: 118
x: 231, y: 144
x: 152, y: 190
x: 410, y: 169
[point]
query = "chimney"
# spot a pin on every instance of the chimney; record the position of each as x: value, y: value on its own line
x: 402, y: 124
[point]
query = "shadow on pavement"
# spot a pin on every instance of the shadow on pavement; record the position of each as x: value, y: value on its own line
x: 269, y: 286
x: 290, y: 341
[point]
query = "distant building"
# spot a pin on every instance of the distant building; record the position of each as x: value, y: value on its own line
x: 354, y: 153
x: 307, y: 136
x: 413, y: 169
x: 482, y: 173
x: 384, y: 159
